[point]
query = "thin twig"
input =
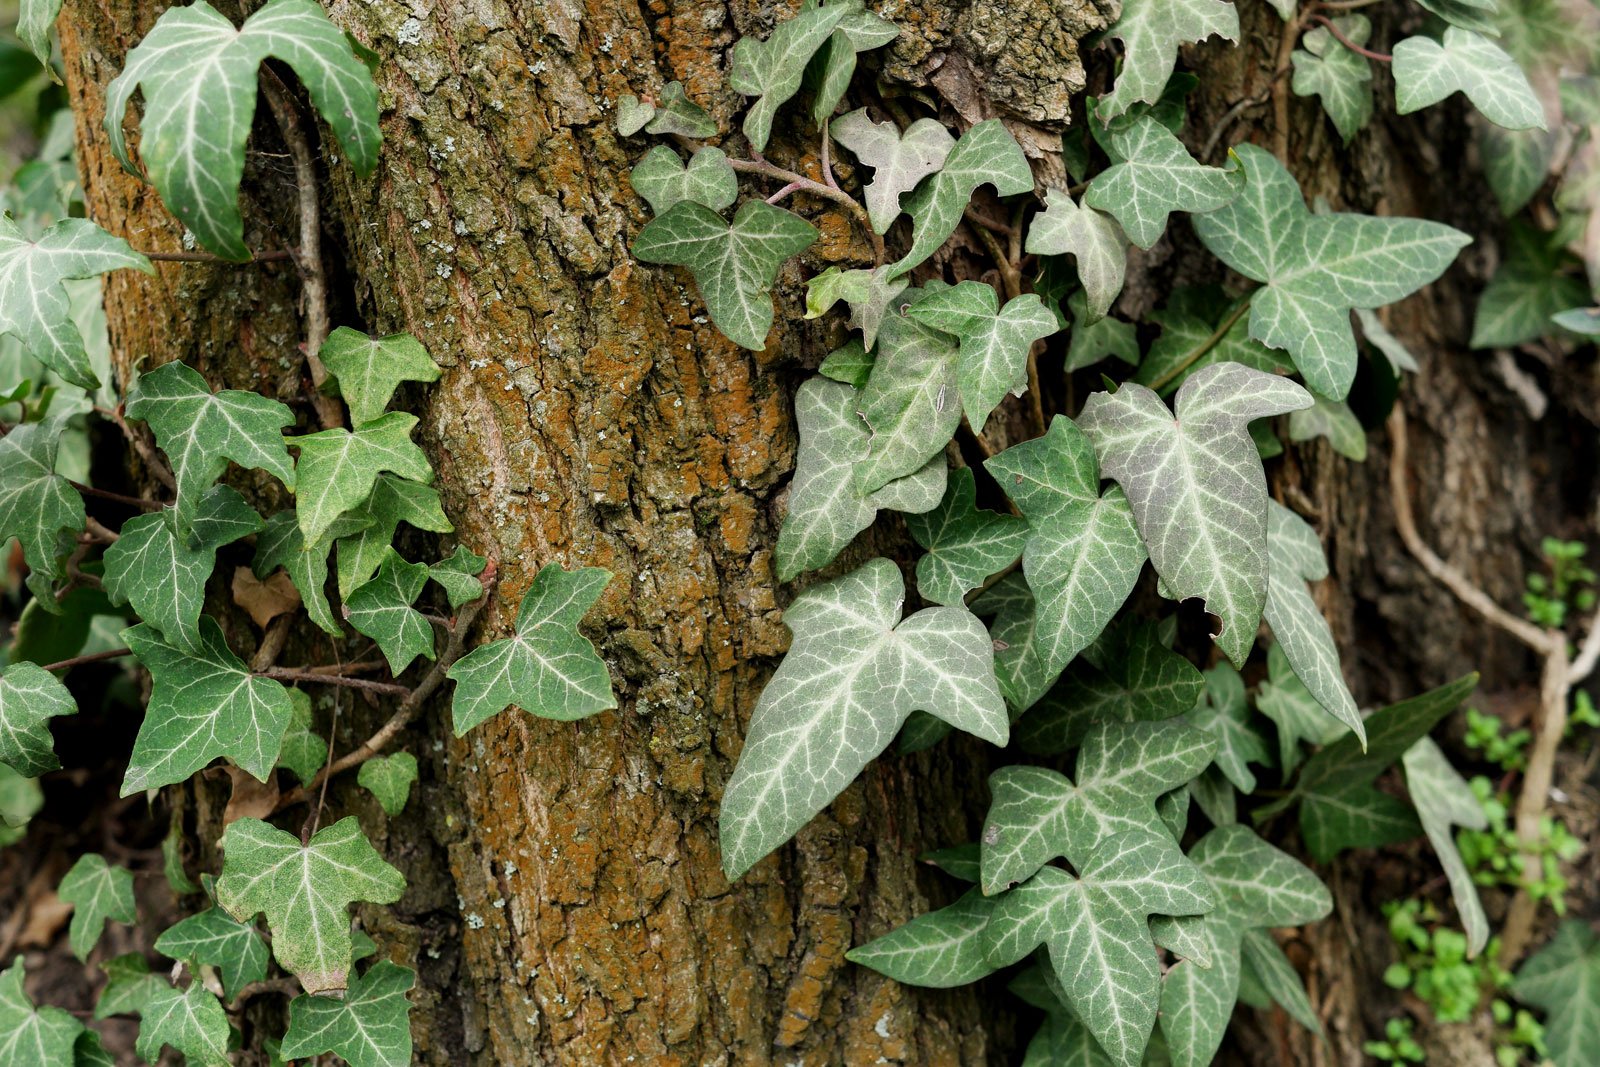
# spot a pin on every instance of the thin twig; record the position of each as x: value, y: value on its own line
x: 972, y: 214
x: 93, y: 657
x: 99, y: 533
x: 294, y: 674
x: 1338, y: 35
x: 1280, y: 88
x: 802, y: 184
x: 827, y: 157
x: 104, y: 494
x: 273, y: 256
x: 272, y: 643
x: 1588, y: 655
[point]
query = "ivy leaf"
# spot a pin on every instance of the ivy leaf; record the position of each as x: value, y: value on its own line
x: 88, y: 1051
x: 303, y: 753
x: 1562, y: 979
x: 381, y: 609
x: 1196, y: 486
x: 1444, y: 799
x: 1477, y: 15
x: 1225, y: 715
x: 850, y: 363
x: 1324, y: 67
x: 1063, y: 1041
x: 986, y: 154
x: 910, y: 403
x: 1334, y: 420
x: 898, y: 160
x: 1038, y: 814
x: 547, y: 668
x: 1584, y: 321
x: 826, y: 508
x: 663, y: 180
x: 994, y: 341
x: 1426, y: 71
x: 369, y: 1027
x: 1083, y: 553
x: 1092, y: 342
x: 1093, y: 239
x: 30, y: 696
x: 28, y: 1035
x: 98, y: 892
x: 1102, y: 917
x: 37, y: 506
x: 172, y: 860
x: 734, y: 266
x: 200, y: 431
x: 633, y: 114
x: 389, y: 778
x: 35, y: 307
x: 215, y: 939
x: 164, y: 575
x: 129, y: 986
x: 35, y: 20
x: 965, y: 545
x: 1153, y: 175
x: 1019, y: 662
x: 1188, y: 322
x: 191, y: 1020
x: 20, y: 800
x: 1295, y: 555
x: 1531, y: 285
x: 853, y: 674
x: 339, y: 468
x: 1299, y: 716
x: 203, y: 704
x: 835, y: 64
x: 457, y: 575
x: 198, y: 73
x: 1318, y: 267
x: 393, y: 500
x: 939, y: 950
x: 1151, y: 32
x: 675, y: 113
x: 305, y: 891
x: 281, y: 544
x: 773, y: 69
x: 1515, y: 164
x: 370, y: 369
x: 1264, y: 959
x: 868, y: 292
x: 1399, y: 357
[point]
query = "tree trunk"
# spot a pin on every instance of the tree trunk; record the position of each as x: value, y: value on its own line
x: 566, y: 903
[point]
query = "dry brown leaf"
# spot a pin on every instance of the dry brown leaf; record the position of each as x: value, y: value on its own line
x: 249, y: 799
x: 265, y: 599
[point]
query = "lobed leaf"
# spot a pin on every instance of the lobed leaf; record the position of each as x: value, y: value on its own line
x: 986, y: 154
x: 30, y: 697
x: 964, y: 545
x: 381, y: 609
x: 899, y: 160
x: 97, y: 892
x: 1153, y: 175
x: 338, y: 468
x: 38, y: 507
x: 772, y: 69
x: 1324, y: 67
x: 994, y: 341
x: 1151, y: 32
x: 389, y: 779
x: 1093, y: 239
x: 368, y: 1027
x: 369, y: 369
x: 215, y: 939
x: 663, y: 179
x: 1426, y: 71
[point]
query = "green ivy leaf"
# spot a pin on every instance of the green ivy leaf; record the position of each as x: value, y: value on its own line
x: 200, y: 431
x: 1151, y: 32
x: 35, y: 20
x: 1093, y: 239
x: 994, y: 341
x: 826, y: 508
x: 339, y: 468
x: 910, y: 404
x: 393, y: 500
x: 1324, y: 67
x: 389, y: 778
x: 191, y: 1020
x: 1333, y: 420
x: 675, y: 113
x: 1563, y: 979
x: 1063, y: 1041
x: 305, y: 891
x: 369, y: 1027
x: 1083, y: 553
x: 32, y: 1036
x: 381, y: 609
x: 98, y: 892
x: 773, y: 69
x: 30, y: 696
x: 1317, y: 267
x: 939, y: 950
x: 198, y: 74
x: 1093, y: 341
x: 1531, y: 285
x: 835, y: 64
x: 215, y: 939
x: 850, y: 363
x: 663, y: 180
x: 281, y: 544
x: 633, y: 114
x: 1196, y: 486
x: 1476, y: 15
x: 172, y: 859
x: 1584, y: 321
x: 203, y: 704
x: 1225, y: 715
x: 1019, y: 661
x: 1038, y: 814
x: 1426, y: 71
x: 965, y: 545
x: 898, y: 160
x: 1399, y: 357
x: 1299, y: 716
x: 868, y: 292
x: 853, y: 674
x: 1265, y: 961
x: 37, y: 506
x: 303, y: 753
x: 20, y: 800
x: 547, y: 668
x: 734, y: 266
x: 88, y: 1051
x: 129, y: 986
x: 370, y: 369
x: 986, y: 154
x: 1188, y: 321
x: 1153, y: 175
x: 1103, y: 916
x: 457, y: 575
x: 1515, y: 163
x: 1443, y: 800
x: 35, y: 306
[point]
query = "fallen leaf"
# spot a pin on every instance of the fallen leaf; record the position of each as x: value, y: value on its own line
x: 250, y: 799
x: 265, y: 599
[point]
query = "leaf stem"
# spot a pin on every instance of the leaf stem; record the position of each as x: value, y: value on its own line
x: 1199, y: 350
x: 93, y: 657
x: 1338, y: 35
x: 106, y: 494
x: 799, y: 183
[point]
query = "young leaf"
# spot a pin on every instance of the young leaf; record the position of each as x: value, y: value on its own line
x: 338, y: 468
x: 675, y: 113
x: 1426, y: 71
x: 37, y: 506
x: 1102, y: 917
x: 281, y: 544
x: 898, y: 160
x: 633, y: 114
x: 870, y: 293
x: 1153, y: 175
x: 835, y: 64
x: 97, y: 891
x: 994, y: 341
x: 1093, y: 239
x: 965, y: 545
x: 1334, y: 420
x: 369, y: 1027
x: 547, y: 668
x: 1151, y: 32
x: 389, y: 778
x: 1225, y: 715
x: 191, y: 1020
x: 213, y: 938
x: 1515, y: 163
x: 381, y: 609
x: 303, y: 753
x: 203, y: 704
x: 1444, y: 799
x: 734, y: 266
x: 305, y: 891
x: 1326, y: 68
x: 1093, y: 341
x: 129, y: 986
x: 1265, y: 962
x: 1399, y: 357
x: 393, y: 500
x: 663, y: 180
x: 457, y: 575
x: 910, y: 404
x: 198, y: 73
x: 1299, y: 716
x: 1196, y: 486
x: 1318, y: 267
x: 30, y: 696
x: 853, y: 674
x: 826, y: 508
x: 772, y: 69
x: 1563, y: 979
x: 35, y: 307
x: 986, y: 154
x: 850, y: 363
x: 1295, y: 557
x: 1083, y: 552
x: 1038, y: 814
x: 1532, y: 284
x: 200, y: 431
x: 32, y: 1036
x: 939, y: 950
x: 370, y: 369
